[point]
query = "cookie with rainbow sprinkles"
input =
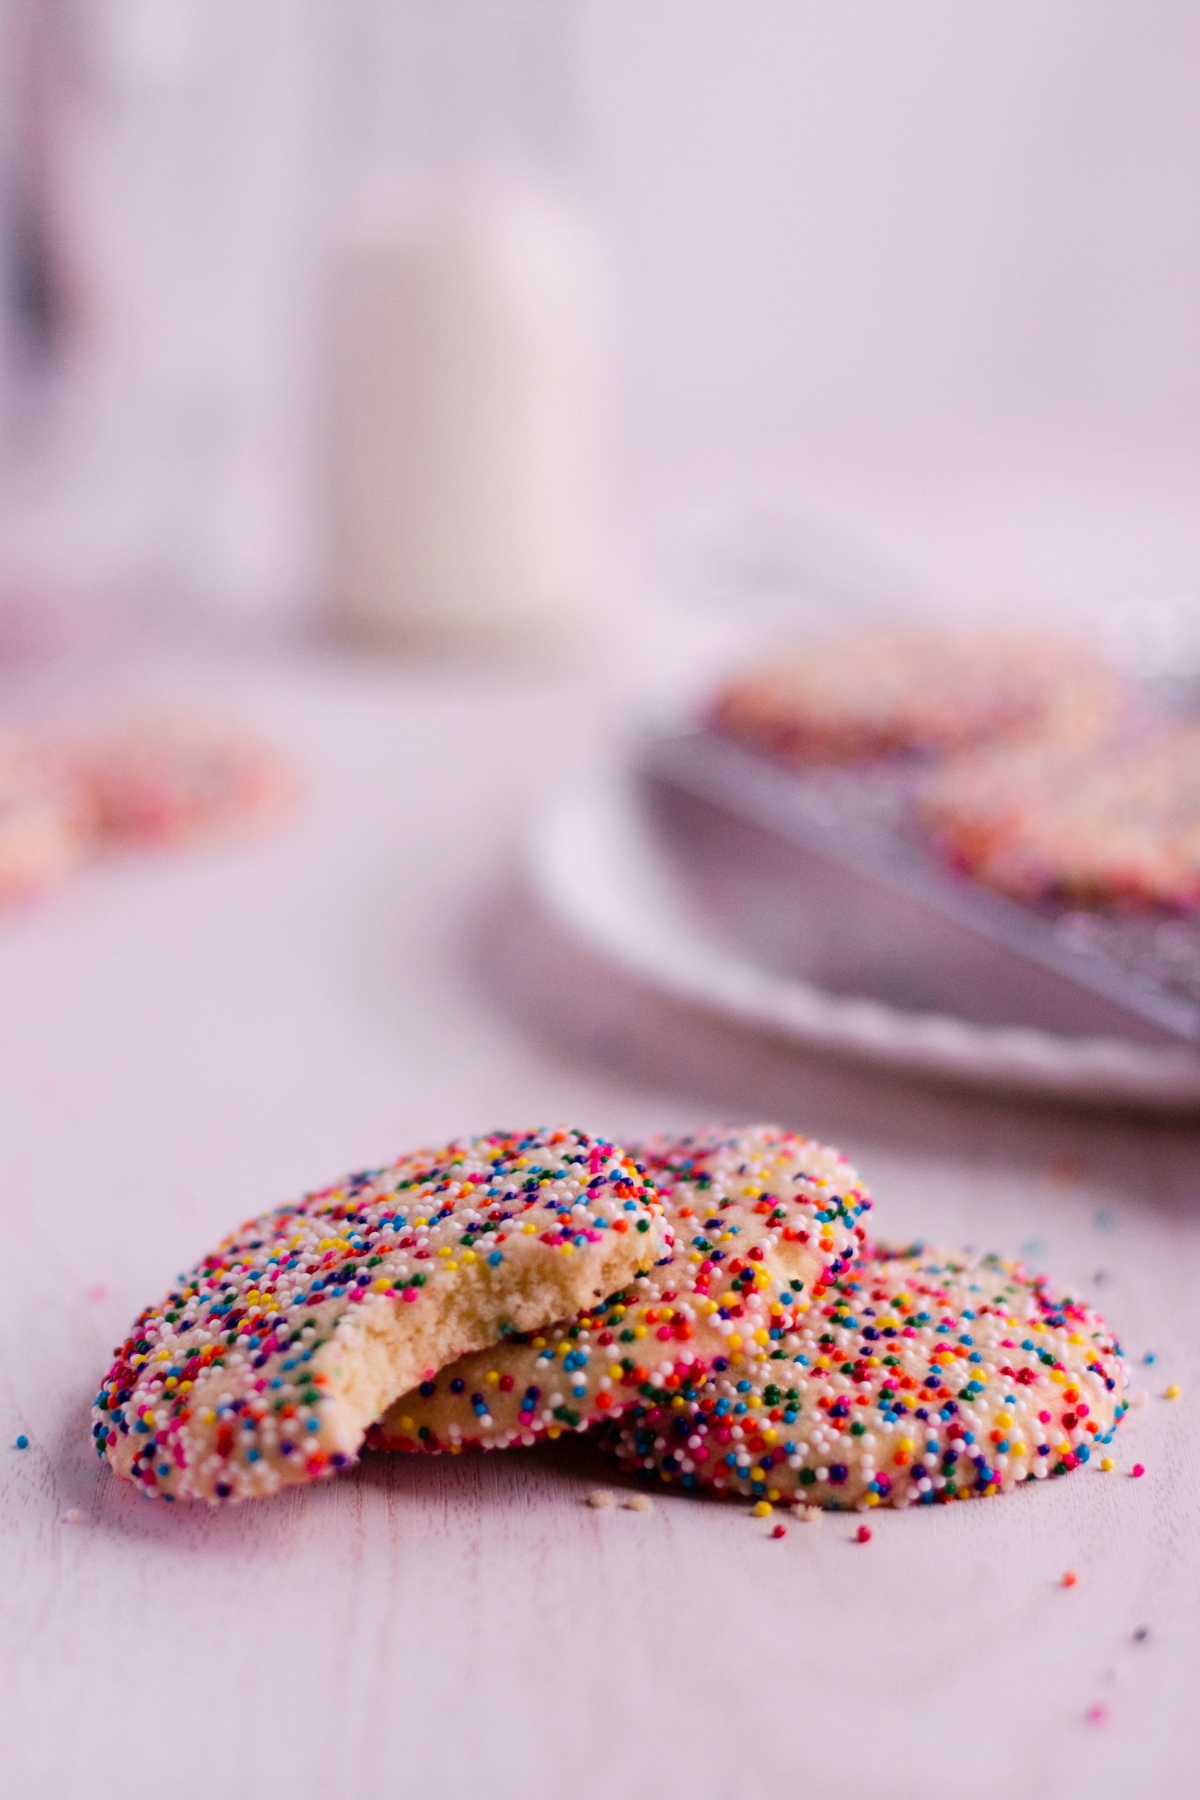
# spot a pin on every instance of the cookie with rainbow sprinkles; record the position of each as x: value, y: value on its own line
x: 266, y: 1364
x: 919, y: 1378
x: 885, y: 692
x: 764, y: 1221
x: 1115, y: 826
x: 43, y: 823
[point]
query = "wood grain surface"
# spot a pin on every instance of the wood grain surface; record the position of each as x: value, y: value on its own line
x: 187, y: 1039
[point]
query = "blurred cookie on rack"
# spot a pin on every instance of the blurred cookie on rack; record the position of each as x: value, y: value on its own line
x: 1083, y: 825
x: 884, y: 692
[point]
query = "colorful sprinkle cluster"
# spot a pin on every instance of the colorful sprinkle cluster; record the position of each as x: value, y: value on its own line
x: 763, y: 1219
x: 919, y: 1379
x: 256, y: 1369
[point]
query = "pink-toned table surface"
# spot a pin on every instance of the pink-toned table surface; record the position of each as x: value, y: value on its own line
x: 186, y: 1039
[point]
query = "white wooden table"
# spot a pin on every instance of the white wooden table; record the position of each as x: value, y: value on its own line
x: 184, y: 1040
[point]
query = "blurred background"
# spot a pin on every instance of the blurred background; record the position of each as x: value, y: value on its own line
x: 674, y: 299
x: 398, y: 399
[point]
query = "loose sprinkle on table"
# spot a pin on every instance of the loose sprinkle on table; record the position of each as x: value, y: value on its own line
x: 779, y: 1531
x: 22, y: 1442
x: 1171, y: 1393
x: 863, y: 1535
x: 1137, y: 1471
x: 640, y: 1503
x: 1097, y: 1715
x: 1070, y: 1578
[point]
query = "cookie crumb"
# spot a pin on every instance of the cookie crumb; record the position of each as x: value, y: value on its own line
x: 601, y: 1497
x: 1070, y: 1578
x: 639, y: 1503
x: 808, y: 1515
x: 72, y: 1516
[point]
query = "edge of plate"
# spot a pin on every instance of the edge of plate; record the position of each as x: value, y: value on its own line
x: 594, y: 864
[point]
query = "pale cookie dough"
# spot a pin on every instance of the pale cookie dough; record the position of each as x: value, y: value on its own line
x: 1112, y: 827
x: 763, y: 1218
x: 920, y: 1378
x: 879, y: 692
x: 266, y: 1364
x: 43, y: 823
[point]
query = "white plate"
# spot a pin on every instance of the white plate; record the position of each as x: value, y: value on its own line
x: 596, y: 865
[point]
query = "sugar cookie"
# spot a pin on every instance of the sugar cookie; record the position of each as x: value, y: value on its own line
x: 920, y: 1377
x: 166, y: 782
x: 1085, y: 827
x: 43, y: 833
x: 875, y: 693
x: 763, y: 1218
x: 266, y: 1365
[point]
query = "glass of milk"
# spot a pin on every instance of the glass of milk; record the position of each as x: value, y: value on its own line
x: 467, y: 328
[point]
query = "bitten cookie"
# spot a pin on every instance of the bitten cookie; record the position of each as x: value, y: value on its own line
x: 876, y: 693
x: 1119, y: 826
x: 763, y: 1219
x: 920, y: 1378
x: 266, y: 1364
x: 43, y: 823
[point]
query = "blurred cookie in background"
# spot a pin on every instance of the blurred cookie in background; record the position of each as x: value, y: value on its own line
x: 883, y: 692
x: 43, y: 818
x: 167, y: 781
x: 1089, y: 826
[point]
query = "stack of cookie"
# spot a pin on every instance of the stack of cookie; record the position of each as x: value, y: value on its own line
x: 709, y: 1308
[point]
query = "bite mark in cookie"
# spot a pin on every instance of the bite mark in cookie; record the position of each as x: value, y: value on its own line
x: 763, y: 1220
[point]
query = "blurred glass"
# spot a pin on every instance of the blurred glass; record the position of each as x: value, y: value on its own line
x: 467, y: 328
x: 163, y: 162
